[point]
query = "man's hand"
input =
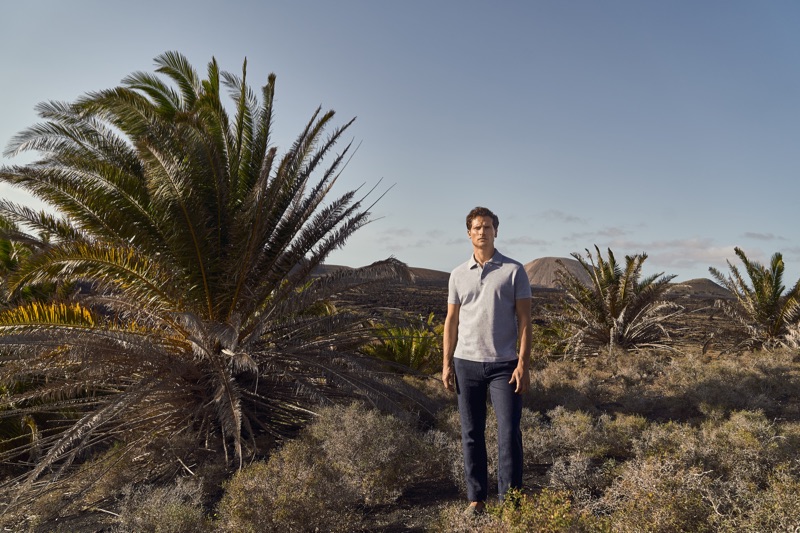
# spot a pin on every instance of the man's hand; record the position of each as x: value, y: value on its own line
x: 449, y: 340
x: 448, y: 378
x: 522, y: 378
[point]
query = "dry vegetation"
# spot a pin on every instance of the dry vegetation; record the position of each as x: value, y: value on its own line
x: 669, y: 440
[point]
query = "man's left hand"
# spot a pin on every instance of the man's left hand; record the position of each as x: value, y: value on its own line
x: 522, y: 378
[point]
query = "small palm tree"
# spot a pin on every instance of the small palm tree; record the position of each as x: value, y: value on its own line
x: 766, y: 312
x: 618, y: 308
x: 414, y: 344
x: 194, y: 244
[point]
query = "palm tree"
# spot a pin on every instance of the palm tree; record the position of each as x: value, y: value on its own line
x: 618, y: 308
x: 764, y: 309
x: 194, y: 244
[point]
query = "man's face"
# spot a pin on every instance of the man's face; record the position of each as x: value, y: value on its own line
x: 482, y: 233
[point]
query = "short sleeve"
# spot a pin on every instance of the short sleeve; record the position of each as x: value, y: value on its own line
x: 452, y: 292
x: 522, y: 285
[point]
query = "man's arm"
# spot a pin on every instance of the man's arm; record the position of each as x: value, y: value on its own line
x: 521, y: 374
x: 449, y: 346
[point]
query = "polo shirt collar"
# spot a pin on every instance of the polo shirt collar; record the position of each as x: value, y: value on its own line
x: 497, y: 259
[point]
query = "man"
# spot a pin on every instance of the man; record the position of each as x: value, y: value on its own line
x: 488, y: 317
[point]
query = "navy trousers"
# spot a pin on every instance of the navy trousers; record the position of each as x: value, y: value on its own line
x: 473, y: 381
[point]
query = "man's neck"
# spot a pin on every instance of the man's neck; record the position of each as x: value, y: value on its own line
x: 481, y: 255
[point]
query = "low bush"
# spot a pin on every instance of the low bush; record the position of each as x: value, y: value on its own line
x: 296, y: 490
x: 378, y: 455
x: 595, y: 437
x: 619, y: 432
x: 776, y: 508
x: 346, y: 458
x: 582, y: 477
x: 173, y: 508
x: 548, y: 511
x: 658, y: 494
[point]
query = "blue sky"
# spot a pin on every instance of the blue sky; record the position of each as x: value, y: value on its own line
x: 670, y: 128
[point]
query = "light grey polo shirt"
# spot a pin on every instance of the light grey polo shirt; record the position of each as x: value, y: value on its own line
x: 487, y: 322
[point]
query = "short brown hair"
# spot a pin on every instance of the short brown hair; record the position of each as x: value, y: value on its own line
x: 482, y: 212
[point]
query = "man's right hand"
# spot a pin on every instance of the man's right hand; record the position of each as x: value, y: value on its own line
x: 449, y: 378
x: 449, y: 340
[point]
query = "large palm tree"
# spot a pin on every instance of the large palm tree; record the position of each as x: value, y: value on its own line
x: 193, y: 245
x: 618, y: 308
x: 763, y: 309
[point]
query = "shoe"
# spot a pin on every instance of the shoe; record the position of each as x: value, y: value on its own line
x: 475, y: 509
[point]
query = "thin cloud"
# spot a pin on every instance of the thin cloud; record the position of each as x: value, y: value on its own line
x: 394, y: 245
x: 523, y: 241
x: 561, y: 216
x: 396, y: 232
x: 687, y: 254
x: 762, y: 236
x: 396, y: 239
x: 604, y: 233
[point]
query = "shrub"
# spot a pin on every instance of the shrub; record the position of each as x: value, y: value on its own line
x: 448, y: 449
x: 658, y: 494
x: 168, y: 509
x: 546, y: 512
x: 452, y: 519
x: 295, y: 490
x: 347, y: 457
x: 668, y: 439
x: 620, y: 432
x: 774, y: 508
x: 538, y: 446
x: 576, y: 431
x: 550, y: 337
x: 741, y: 445
x: 580, y: 476
x: 378, y: 455
x: 572, y: 428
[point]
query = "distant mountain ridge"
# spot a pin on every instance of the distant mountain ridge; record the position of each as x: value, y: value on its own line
x: 542, y: 275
